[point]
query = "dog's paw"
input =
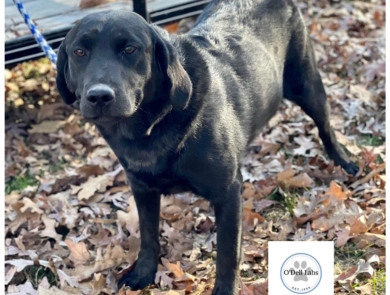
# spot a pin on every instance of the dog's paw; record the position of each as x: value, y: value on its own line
x: 351, y: 168
x: 138, y: 279
x: 224, y: 289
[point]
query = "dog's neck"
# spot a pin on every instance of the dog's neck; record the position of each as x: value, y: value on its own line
x: 160, y: 117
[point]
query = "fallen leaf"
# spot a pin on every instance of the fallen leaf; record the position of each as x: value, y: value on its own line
x: 24, y: 289
x: 343, y: 237
x: 335, y: 194
x: 286, y: 179
x: 250, y: 219
x: 49, y: 230
x: 47, y: 127
x: 79, y: 252
x: 92, y: 3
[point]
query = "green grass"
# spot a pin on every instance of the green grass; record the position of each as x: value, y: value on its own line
x: 370, y: 140
x: 288, y: 200
x: 20, y: 183
x: 347, y: 257
x: 378, y: 283
x: 57, y: 166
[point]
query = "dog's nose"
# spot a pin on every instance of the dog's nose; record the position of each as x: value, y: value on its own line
x: 100, y: 94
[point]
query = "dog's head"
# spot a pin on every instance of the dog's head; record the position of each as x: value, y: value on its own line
x: 112, y: 62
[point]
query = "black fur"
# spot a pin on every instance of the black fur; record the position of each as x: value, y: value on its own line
x: 186, y: 107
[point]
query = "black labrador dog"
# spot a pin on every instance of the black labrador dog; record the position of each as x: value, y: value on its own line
x: 180, y: 110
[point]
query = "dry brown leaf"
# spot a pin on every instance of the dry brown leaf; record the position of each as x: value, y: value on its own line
x: 317, y: 213
x: 358, y: 225
x: 262, y: 204
x: 162, y: 278
x: 30, y: 205
x: 172, y: 28
x: 130, y: 217
x: 366, y: 239
x: 244, y: 289
x: 335, y: 194
x: 249, y: 190
x: 90, y: 170
x: 24, y: 289
x: 343, y: 237
x: 21, y: 217
x: 99, y: 284
x: 92, y: 3
x: 10, y: 274
x: 248, y: 204
x: 71, y: 279
x: 250, y: 219
x: 93, y: 185
x: 79, y: 252
x: 50, y: 230
x: 325, y: 223
x: 285, y: 175
x: 261, y: 288
x: 47, y: 110
x: 286, y: 179
x: 363, y: 267
x: 52, y: 291
x: 47, y: 127
x: 30, y: 85
x: 174, y: 268
x: 72, y: 129
x: 122, y: 291
x: 115, y: 255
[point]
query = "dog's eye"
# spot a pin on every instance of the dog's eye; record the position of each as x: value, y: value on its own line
x: 79, y: 52
x: 129, y: 49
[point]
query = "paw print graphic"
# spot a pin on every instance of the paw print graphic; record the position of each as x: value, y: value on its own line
x: 302, y: 266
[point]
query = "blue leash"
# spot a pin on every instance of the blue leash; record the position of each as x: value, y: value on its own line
x: 37, y: 35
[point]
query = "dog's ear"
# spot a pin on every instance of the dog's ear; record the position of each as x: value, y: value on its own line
x: 177, y: 78
x: 63, y: 76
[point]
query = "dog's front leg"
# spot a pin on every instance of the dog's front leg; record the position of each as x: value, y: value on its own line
x: 228, y: 218
x: 148, y: 205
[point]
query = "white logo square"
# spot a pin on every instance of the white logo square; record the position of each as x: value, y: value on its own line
x: 304, y: 267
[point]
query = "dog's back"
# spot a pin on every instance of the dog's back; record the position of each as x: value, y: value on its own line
x: 245, y: 45
x: 270, y: 21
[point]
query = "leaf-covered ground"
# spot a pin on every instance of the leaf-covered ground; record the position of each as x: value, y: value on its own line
x: 72, y: 224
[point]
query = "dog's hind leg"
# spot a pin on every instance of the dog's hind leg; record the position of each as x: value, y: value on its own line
x: 303, y: 85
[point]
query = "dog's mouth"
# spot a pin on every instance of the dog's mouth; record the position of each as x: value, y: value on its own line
x: 92, y: 118
x: 104, y: 119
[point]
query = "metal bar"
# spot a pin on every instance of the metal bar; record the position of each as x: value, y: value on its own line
x: 181, y: 7
x: 174, y: 18
x: 28, y: 57
x: 35, y: 45
x: 25, y: 48
x: 139, y: 7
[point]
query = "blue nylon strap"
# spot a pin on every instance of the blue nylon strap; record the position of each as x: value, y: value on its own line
x: 37, y: 35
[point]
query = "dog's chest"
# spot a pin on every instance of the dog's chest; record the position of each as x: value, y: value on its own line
x: 137, y: 156
x: 166, y: 182
x: 139, y: 160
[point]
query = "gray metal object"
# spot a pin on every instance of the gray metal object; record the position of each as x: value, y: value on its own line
x: 163, y: 12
